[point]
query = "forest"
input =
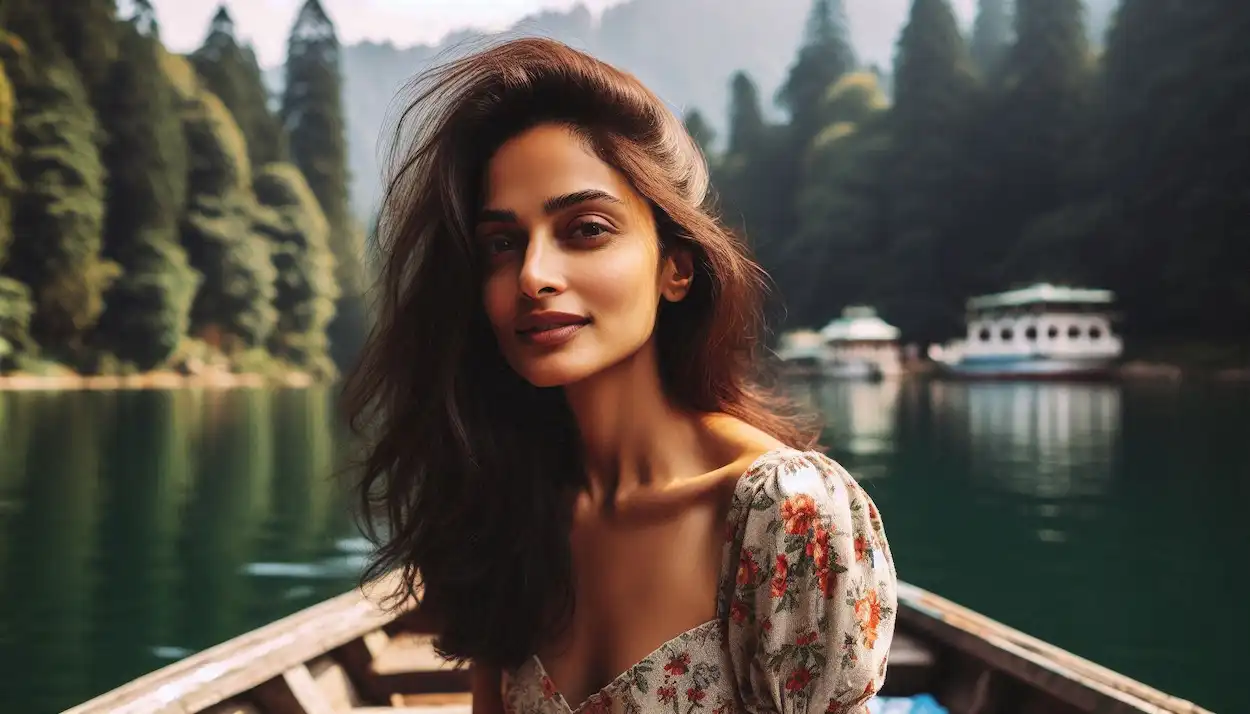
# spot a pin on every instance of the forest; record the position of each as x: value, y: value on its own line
x: 1012, y: 155
x: 158, y: 211
x: 166, y: 211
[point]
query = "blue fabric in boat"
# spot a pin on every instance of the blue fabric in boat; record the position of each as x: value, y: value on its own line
x: 919, y: 704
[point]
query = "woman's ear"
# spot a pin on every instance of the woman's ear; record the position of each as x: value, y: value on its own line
x: 676, y: 274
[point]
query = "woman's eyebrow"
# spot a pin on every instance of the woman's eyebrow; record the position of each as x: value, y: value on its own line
x: 551, y: 205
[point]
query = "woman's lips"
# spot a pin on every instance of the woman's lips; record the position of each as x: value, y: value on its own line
x: 552, y: 334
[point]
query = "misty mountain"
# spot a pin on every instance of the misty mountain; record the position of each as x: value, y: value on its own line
x: 685, y: 50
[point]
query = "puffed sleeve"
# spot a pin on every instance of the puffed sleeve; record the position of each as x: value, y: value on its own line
x: 811, y: 611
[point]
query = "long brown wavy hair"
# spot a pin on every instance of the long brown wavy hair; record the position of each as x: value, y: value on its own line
x: 469, y: 472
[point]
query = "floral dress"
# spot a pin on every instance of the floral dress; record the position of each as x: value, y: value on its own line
x: 805, y: 612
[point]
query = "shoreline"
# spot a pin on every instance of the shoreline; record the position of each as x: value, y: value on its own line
x: 19, y: 382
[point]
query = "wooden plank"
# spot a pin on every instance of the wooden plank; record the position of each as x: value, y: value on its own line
x: 233, y: 707
x: 428, y: 700
x: 1084, y: 684
x: 357, y: 659
x: 210, y: 677
x: 331, y: 678
x: 430, y: 709
x: 409, y: 664
x: 293, y: 692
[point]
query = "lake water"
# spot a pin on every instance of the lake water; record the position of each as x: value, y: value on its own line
x: 138, y: 527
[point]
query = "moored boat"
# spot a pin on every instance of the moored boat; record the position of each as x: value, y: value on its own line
x: 348, y: 656
x: 1039, y: 332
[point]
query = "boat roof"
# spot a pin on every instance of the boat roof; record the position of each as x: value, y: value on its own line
x: 859, y: 322
x: 1042, y: 293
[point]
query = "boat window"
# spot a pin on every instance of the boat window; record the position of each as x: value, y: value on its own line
x: 1007, y: 334
x: 1074, y: 332
x: 1094, y: 333
x: 1031, y: 333
x: 984, y: 334
x: 1052, y: 332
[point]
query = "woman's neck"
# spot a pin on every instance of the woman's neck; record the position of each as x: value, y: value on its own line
x: 633, y: 437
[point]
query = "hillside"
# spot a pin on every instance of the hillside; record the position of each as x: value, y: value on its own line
x: 685, y: 50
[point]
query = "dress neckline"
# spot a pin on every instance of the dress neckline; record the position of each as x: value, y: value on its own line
x: 697, y: 629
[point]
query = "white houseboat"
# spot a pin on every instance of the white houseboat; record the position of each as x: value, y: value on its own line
x: 1042, y: 331
x: 861, y: 345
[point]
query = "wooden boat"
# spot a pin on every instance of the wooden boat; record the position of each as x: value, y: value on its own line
x: 346, y: 656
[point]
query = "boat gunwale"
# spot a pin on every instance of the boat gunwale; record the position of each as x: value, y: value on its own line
x: 244, y: 662
x: 991, y: 639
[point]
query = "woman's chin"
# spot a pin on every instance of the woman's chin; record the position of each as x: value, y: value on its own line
x: 553, y: 371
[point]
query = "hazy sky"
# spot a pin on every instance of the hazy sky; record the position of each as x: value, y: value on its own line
x: 266, y: 23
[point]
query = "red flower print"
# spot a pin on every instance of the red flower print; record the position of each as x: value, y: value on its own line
x: 666, y: 693
x: 779, y: 577
x: 798, y: 512
x: 799, y: 679
x: 678, y: 665
x: 871, y: 689
x: 767, y: 624
x: 861, y: 548
x: 748, y: 569
x: 549, y: 687
x: 598, y: 704
x: 827, y: 579
x: 806, y: 639
x: 695, y: 694
x: 738, y: 611
x: 818, y: 546
x: 868, y: 612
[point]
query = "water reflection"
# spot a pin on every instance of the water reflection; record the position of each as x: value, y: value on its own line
x: 130, y: 523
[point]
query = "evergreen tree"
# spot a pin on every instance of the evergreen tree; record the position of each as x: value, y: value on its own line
x: 232, y: 73
x: 88, y: 35
x: 700, y: 131
x: 305, y: 288
x: 1035, y: 137
x: 838, y: 246
x: 934, y: 95
x: 825, y: 56
x: 233, y: 309
x: 58, y: 216
x: 312, y: 114
x: 15, y: 307
x: 147, y: 311
x: 991, y: 35
x: 1178, y: 168
x: 746, y: 118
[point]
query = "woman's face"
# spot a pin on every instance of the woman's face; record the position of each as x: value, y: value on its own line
x: 574, y: 275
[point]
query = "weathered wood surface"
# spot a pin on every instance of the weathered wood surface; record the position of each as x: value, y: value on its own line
x: 348, y: 656
x: 1086, y: 686
x: 272, y: 653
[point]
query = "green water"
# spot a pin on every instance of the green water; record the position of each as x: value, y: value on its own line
x: 136, y: 527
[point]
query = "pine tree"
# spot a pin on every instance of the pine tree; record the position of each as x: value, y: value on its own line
x: 231, y: 72
x: 88, y: 35
x: 312, y: 114
x: 305, y: 288
x: 58, y: 217
x: 746, y: 119
x: 15, y: 307
x: 147, y: 310
x: 1036, y: 136
x: 233, y: 309
x: 839, y: 245
x: 825, y: 56
x: 991, y: 35
x: 1178, y: 168
x: 934, y: 94
x: 700, y: 131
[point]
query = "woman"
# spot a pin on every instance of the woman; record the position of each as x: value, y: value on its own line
x: 600, y: 510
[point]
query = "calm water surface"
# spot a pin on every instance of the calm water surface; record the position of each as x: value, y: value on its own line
x: 138, y: 527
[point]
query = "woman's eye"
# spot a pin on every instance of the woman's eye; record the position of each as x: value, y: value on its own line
x: 497, y: 244
x: 590, y: 230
